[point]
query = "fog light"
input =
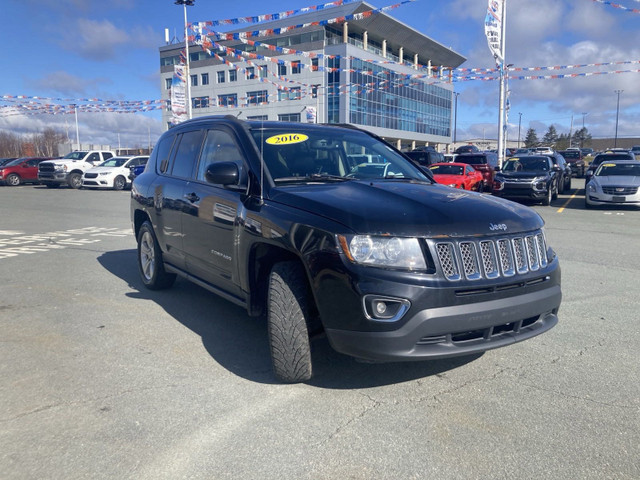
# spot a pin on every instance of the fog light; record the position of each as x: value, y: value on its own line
x: 385, y: 309
x: 381, y: 307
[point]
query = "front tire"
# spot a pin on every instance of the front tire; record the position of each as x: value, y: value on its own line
x: 287, y: 321
x: 546, y: 201
x: 119, y: 183
x: 74, y: 180
x: 150, y: 263
x: 13, y: 180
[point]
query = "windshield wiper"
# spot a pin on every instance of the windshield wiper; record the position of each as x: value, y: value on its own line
x: 313, y: 177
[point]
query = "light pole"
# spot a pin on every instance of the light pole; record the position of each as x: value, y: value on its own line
x: 184, y: 3
x: 519, y: 124
x: 455, y: 124
x: 615, y: 142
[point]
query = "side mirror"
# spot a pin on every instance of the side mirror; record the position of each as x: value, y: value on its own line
x: 589, y: 174
x: 223, y: 173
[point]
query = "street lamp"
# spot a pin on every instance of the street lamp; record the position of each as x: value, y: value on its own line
x: 615, y: 142
x: 519, y: 124
x: 184, y: 3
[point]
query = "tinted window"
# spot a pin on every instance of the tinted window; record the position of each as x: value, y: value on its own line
x: 219, y: 146
x: 187, y: 154
x: 161, y: 153
x: 472, y: 159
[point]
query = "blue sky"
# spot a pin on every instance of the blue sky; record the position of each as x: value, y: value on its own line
x: 108, y: 49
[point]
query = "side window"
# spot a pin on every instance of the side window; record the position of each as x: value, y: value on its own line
x: 107, y: 155
x: 94, y: 157
x: 187, y: 154
x: 219, y: 146
x: 162, y: 151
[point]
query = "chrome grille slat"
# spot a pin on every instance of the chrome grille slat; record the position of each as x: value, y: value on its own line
x: 491, y: 258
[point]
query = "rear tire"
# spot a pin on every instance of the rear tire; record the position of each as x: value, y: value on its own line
x: 287, y: 321
x: 13, y: 180
x: 150, y: 263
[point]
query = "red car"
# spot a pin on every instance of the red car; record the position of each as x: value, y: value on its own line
x: 457, y: 175
x: 21, y: 170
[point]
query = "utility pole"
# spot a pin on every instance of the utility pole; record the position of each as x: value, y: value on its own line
x: 503, y: 76
x: 184, y: 4
x: 615, y: 142
x: 519, y: 124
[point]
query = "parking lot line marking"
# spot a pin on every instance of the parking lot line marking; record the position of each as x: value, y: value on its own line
x: 561, y: 209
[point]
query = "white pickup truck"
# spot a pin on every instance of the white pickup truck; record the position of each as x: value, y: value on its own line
x: 69, y: 169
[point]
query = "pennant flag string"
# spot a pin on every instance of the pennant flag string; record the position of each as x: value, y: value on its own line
x: 617, y: 5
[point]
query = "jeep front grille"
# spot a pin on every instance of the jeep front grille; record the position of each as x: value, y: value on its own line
x: 504, y: 257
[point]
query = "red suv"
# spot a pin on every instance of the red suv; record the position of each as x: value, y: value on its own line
x: 21, y: 170
x: 485, y: 162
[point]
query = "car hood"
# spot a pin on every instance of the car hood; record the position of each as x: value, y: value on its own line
x: 105, y: 169
x: 524, y: 175
x: 409, y: 209
x: 618, y: 180
x: 447, y: 179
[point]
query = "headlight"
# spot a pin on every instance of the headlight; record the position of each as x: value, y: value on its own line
x: 452, y: 185
x: 383, y: 251
x: 591, y: 187
x: 540, y: 183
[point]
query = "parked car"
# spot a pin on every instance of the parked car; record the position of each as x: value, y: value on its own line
x: 531, y: 177
x: 425, y: 157
x: 485, y: 162
x: 586, y: 151
x: 457, y: 175
x: 387, y: 263
x: 69, y: 169
x: 21, y: 170
x: 564, y: 172
x: 575, y: 159
x: 135, y: 171
x: 467, y: 149
x: 614, y: 183
x: 542, y: 151
x: 112, y: 173
x: 608, y: 156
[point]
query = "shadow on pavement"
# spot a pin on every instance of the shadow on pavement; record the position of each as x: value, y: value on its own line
x: 239, y: 342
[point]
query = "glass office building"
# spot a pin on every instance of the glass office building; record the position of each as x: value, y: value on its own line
x: 375, y: 72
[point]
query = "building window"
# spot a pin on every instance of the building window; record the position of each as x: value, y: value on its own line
x: 289, y: 117
x: 200, y: 102
x: 293, y: 93
x: 257, y: 97
x: 295, y: 67
x: 233, y: 75
x: 204, y: 78
x: 220, y: 77
x: 194, y: 80
x: 167, y: 83
x: 230, y: 100
x: 262, y: 69
x: 282, y: 70
x: 258, y: 117
x: 251, y: 73
x: 314, y: 64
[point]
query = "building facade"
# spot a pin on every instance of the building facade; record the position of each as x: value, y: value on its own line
x: 373, y: 72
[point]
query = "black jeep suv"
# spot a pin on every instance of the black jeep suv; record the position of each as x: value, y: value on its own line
x: 329, y: 228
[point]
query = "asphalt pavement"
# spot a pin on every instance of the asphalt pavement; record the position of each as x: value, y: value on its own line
x: 102, y: 378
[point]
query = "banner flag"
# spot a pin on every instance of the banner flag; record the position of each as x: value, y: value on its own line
x: 311, y: 114
x: 493, y: 29
x: 178, y: 95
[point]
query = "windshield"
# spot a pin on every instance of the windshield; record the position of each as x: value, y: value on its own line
x: 611, y: 156
x: 447, y: 170
x: 114, y: 162
x: 472, y: 159
x: 12, y: 163
x: 526, y: 164
x: 571, y: 154
x: 299, y: 154
x: 618, y: 169
x: 75, y: 155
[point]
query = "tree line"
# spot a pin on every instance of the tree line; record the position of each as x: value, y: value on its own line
x: 581, y: 138
x: 43, y: 144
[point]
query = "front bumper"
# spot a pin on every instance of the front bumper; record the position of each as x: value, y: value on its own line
x: 456, y: 330
x: 599, y: 198
x: 52, y: 177
x: 524, y: 191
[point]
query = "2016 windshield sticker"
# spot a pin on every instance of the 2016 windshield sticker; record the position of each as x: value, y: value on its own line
x: 287, y: 139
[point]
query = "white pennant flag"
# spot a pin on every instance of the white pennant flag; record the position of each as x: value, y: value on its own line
x: 493, y: 29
